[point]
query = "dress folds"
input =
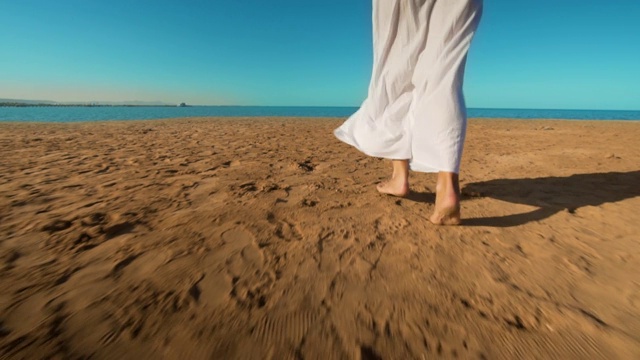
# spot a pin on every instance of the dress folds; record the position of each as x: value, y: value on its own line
x: 415, y: 107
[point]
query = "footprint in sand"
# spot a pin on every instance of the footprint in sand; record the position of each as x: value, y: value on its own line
x: 146, y: 264
x: 25, y: 316
x: 284, y: 229
x: 386, y: 225
x: 234, y: 270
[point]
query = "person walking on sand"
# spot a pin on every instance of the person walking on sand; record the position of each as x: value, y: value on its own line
x: 414, y: 113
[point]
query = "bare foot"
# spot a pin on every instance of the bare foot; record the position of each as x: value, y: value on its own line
x: 446, y: 215
x: 398, y: 185
x: 394, y: 186
x: 447, y: 211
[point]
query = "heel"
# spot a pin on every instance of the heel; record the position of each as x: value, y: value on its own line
x: 448, y: 216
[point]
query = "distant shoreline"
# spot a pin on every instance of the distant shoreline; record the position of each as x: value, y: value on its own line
x: 81, y: 105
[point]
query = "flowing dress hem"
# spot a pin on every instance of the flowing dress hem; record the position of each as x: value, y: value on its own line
x: 413, y: 165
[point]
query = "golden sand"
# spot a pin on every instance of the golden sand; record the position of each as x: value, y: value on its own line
x: 266, y: 239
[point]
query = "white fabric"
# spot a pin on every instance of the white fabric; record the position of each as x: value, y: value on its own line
x: 415, y: 108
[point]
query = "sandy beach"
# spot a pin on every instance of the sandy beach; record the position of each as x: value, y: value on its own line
x: 266, y: 239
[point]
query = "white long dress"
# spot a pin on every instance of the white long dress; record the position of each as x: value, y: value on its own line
x: 415, y: 108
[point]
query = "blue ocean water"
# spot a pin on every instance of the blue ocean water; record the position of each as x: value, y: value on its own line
x: 75, y: 114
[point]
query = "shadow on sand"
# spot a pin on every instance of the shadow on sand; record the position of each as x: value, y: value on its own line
x: 550, y: 194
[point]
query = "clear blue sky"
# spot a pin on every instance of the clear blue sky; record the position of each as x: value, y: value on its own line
x: 572, y: 54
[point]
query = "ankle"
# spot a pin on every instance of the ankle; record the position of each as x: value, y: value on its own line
x: 400, y: 170
x: 448, y: 184
x: 399, y: 178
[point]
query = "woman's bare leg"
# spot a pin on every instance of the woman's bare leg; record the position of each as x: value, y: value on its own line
x: 447, y: 211
x: 398, y: 185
